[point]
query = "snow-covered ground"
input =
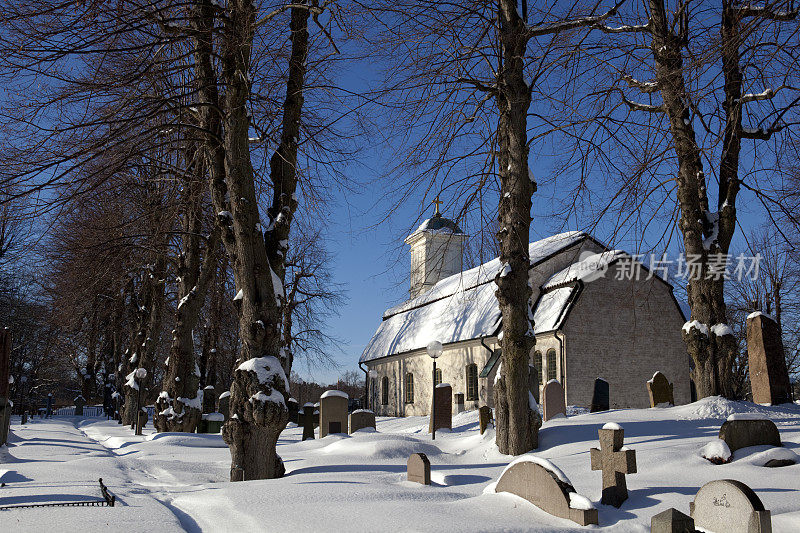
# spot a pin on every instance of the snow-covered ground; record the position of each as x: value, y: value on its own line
x: 174, y: 482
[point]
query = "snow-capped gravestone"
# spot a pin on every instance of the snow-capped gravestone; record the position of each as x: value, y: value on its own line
x: 601, y: 396
x: 545, y: 486
x: 554, y: 401
x: 671, y: 521
x: 360, y: 419
x: 442, y: 417
x: 224, y: 404
x: 419, y: 468
x: 484, y: 417
x: 769, y: 377
x: 210, y: 420
x: 660, y: 390
x: 742, y: 430
x: 80, y: 403
x: 332, y: 412
x: 293, y: 406
x: 307, y: 420
x: 615, y: 461
x: 729, y: 506
x: 209, y: 400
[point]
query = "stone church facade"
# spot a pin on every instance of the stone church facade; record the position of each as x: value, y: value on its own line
x: 597, y: 313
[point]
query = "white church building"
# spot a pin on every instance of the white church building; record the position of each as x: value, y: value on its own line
x: 597, y: 313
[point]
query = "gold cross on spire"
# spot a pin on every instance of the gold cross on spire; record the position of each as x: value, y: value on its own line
x: 438, y: 203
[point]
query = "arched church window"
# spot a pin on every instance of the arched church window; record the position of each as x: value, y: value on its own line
x: 472, y: 382
x: 409, y: 388
x: 437, y: 377
x: 537, y: 364
x: 551, y: 364
x: 385, y: 390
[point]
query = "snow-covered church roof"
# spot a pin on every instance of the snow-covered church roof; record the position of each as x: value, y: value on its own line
x: 464, y: 307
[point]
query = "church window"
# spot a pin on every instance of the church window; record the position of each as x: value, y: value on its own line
x: 472, y: 382
x: 385, y: 390
x: 551, y: 364
x: 537, y: 364
x: 409, y: 388
x: 437, y: 377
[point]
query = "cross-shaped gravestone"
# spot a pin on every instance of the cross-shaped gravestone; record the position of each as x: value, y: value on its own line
x: 615, y: 462
x: 307, y: 417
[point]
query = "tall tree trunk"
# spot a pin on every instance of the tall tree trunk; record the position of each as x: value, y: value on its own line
x: 706, y: 235
x: 514, y: 421
x: 260, y: 387
x: 178, y: 407
x: 89, y: 377
x: 210, y: 349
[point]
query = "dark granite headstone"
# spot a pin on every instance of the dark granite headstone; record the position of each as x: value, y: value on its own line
x: 223, y: 405
x: 209, y: 400
x: 80, y: 403
x: 601, y: 396
x: 744, y: 433
x: 307, y: 419
x: 459, y: 396
x: 293, y: 407
x: 419, y: 468
x: 443, y: 400
x: 769, y: 377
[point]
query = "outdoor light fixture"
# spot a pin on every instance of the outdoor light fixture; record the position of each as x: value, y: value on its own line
x: 434, y: 350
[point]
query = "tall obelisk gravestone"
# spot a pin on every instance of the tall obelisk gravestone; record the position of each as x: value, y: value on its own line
x: 769, y: 377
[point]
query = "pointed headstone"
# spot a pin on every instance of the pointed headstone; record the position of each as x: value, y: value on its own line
x: 671, y: 521
x: 769, y: 377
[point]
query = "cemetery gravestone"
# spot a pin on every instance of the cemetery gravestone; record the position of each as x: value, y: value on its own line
x: 141, y: 421
x: 533, y: 382
x: 615, y: 462
x: 332, y: 412
x: 671, y: 521
x: 80, y: 403
x: 307, y: 420
x: 484, y: 417
x: 419, y: 468
x: 223, y: 405
x: 744, y: 432
x: 769, y: 377
x: 660, y: 390
x: 443, y: 413
x: 360, y: 419
x: 460, y: 408
x: 209, y: 422
x: 548, y: 489
x: 554, y: 402
x: 293, y: 406
x: 209, y: 399
x: 730, y: 506
x: 600, y: 396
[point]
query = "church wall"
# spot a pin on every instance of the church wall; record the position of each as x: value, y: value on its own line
x: 624, y: 331
x: 453, y: 363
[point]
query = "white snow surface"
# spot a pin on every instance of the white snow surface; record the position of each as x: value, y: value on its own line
x: 175, y: 482
x: 695, y: 324
x: 747, y: 416
x: 331, y: 393
x: 590, y: 267
x: 266, y: 368
x: 576, y: 501
x: 611, y: 425
x: 721, y: 329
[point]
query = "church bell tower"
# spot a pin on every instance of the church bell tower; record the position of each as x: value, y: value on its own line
x: 437, y: 249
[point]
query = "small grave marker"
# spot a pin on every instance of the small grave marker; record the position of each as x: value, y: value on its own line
x: 360, y: 419
x: 554, y: 401
x: 729, y: 506
x: 615, y: 461
x: 484, y: 417
x: 671, y: 521
x: 80, y: 403
x: 307, y: 419
x: 443, y: 400
x: 660, y: 390
x: 600, y: 396
x: 546, y: 488
x: 332, y: 412
x: 223, y: 404
x: 419, y: 468
x: 744, y: 432
x: 293, y: 407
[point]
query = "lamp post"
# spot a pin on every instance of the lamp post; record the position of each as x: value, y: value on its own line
x: 434, y: 351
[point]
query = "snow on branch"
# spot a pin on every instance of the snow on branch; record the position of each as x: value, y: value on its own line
x: 641, y: 28
x: 547, y: 29
x: 768, y: 12
x: 646, y: 87
x: 766, y: 94
x: 637, y: 106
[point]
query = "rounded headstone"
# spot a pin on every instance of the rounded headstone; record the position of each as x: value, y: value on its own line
x: 744, y: 433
